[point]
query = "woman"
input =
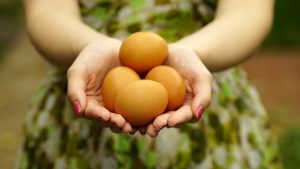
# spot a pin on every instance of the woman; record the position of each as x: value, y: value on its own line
x: 233, y: 132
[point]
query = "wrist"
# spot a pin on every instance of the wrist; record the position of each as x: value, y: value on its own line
x: 183, y: 46
x: 84, y: 36
x: 203, y: 52
x: 105, y: 42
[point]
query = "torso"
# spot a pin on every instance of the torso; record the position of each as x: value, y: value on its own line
x: 172, y: 19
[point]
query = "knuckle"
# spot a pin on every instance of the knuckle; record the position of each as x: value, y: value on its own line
x: 126, y: 129
x: 120, y: 118
x: 159, y: 120
x: 157, y: 125
x: 117, y: 119
x: 105, y: 117
x: 120, y: 123
x: 172, y: 122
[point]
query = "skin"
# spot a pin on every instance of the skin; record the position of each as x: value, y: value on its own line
x: 237, y: 30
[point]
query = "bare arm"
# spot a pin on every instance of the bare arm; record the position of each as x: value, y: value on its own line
x: 56, y: 29
x: 237, y: 30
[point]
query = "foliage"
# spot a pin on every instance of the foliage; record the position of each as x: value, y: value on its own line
x: 290, y: 148
x: 286, y: 26
x: 10, y: 21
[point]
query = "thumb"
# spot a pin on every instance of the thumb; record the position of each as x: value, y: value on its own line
x: 76, y: 89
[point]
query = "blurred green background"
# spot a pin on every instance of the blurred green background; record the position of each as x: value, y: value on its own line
x: 286, y: 29
x: 274, y: 69
x: 10, y: 23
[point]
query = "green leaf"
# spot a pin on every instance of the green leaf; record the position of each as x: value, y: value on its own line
x: 151, y: 158
x: 226, y: 92
x: 137, y: 5
x: 140, y: 145
x: 24, y: 161
x: 79, y: 162
x: 123, y: 144
x: 101, y: 13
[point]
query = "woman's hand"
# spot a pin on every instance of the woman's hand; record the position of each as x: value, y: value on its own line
x: 85, y: 78
x: 198, y: 84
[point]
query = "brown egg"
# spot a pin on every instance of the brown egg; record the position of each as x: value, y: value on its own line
x: 172, y: 81
x: 115, y: 80
x: 141, y: 101
x: 143, y: 51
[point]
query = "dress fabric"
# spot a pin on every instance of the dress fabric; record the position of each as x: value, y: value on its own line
x: 233, y: 133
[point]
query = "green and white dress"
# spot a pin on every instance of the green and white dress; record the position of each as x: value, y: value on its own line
x: 233, y: 133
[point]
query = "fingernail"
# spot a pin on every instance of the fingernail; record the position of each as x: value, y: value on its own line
x: 199, y: 112
x: 77, y: 107
x: 156, y: 129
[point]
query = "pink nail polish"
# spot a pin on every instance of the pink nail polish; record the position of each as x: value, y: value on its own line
x: 77, y: 107
x: 199, y: 112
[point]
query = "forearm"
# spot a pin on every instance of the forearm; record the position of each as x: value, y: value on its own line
x: 57, y: 31
x: 234, y: 34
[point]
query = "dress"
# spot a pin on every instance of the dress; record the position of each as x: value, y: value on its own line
x: 233, y: 133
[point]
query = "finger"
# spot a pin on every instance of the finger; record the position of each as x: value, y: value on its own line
x: 202, y: 95
x: 142, y: 130
x: 98, y: 113
x: 115, y: 129
x: 182, y: 115
x: 127, y: 128
x: 161, y: 121
x: 150, y: 131
x: 117, y: 120
x: 133, y: 131
x: 76, y: 89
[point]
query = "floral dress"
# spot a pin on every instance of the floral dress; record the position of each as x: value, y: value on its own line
x: 233, y: 133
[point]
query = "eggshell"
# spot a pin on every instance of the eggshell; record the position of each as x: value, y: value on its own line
x: 141, y: 101
x: 116, y: 79
x: 143, y: 51
x: 172, y: 81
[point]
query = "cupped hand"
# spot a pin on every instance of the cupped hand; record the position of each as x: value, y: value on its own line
x: 85, y: 78
x: 198, y: 84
